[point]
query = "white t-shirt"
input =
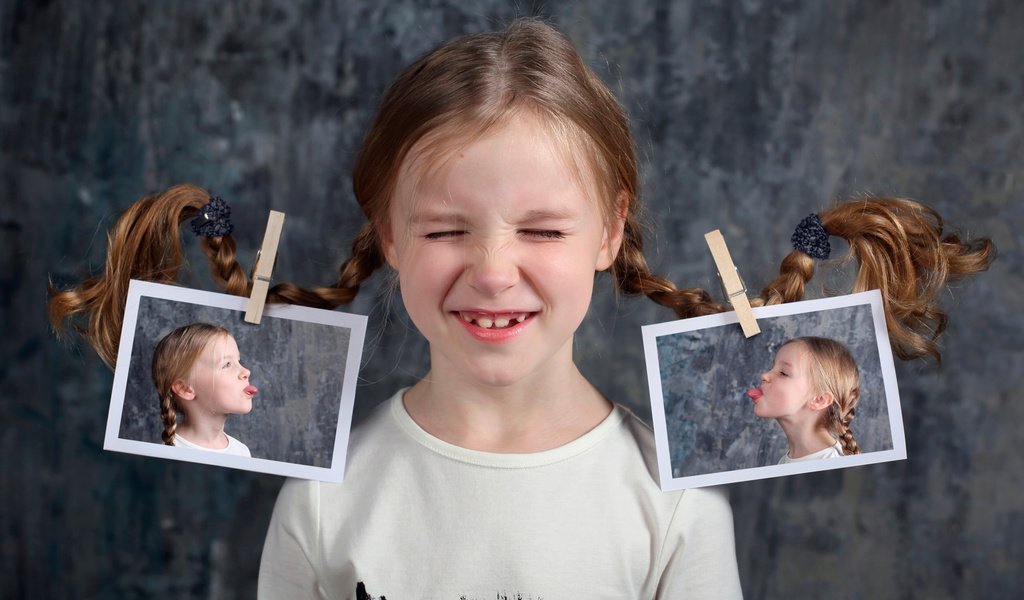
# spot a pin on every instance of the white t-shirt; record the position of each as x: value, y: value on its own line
x: 234, y: 446
x: 417, y: 517
x: 830, y: 452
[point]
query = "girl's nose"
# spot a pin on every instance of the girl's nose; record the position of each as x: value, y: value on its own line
x: 764, y: 377
x: 493, y: 271
x: 245, y: 373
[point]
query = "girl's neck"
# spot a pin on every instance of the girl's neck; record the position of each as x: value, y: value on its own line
x: 533, y: 415
x: 805, y: 438
x: 207, y: 432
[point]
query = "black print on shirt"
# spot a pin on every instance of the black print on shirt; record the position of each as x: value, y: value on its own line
x: 362, y: 594
x: 501, y: 596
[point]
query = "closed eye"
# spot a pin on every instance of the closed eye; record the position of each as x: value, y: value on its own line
x: 547, y: 234
x: 441, y: 235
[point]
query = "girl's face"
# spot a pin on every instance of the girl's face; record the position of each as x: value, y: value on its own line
x: 496, y: 254
x: 219, y: 384
x: 788, y: 388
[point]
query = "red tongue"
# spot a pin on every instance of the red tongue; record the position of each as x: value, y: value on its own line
x: 251, y: 389
x: 755, y: 394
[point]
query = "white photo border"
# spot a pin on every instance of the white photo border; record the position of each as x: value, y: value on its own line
x: 652, y: 332
x: 356, y: 324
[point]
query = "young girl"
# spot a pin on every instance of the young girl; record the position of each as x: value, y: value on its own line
x: 812, y: 390
x: 198, y: 372
x: 498, y: 177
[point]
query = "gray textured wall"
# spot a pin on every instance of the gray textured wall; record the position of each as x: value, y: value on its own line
x: 748, y: 115
x: 710, y: 422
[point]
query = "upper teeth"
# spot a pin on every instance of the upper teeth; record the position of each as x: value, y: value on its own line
x: 487, y: 321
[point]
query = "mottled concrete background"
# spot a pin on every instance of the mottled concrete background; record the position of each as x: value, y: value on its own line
x: 748, y: 115
x: 710, y: 421
x: 298, y: 367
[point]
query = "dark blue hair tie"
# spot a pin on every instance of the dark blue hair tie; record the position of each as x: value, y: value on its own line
x: 214, y: 219
x: 811, y: 238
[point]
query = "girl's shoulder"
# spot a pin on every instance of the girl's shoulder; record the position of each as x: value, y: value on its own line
x: 236, y: 447
x: 643, y: 436
x: 713, y: 498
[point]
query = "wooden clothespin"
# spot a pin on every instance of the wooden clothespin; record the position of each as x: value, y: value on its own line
x: 264, y: 267
x: 734, y: 286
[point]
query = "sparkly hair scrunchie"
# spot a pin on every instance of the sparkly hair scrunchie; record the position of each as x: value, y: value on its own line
x: 811, y: 238
x: 214, y: 219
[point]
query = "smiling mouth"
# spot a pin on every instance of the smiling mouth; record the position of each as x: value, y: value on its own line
x: 494, y: 320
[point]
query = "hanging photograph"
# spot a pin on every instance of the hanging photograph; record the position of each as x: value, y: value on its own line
x: 815, y: 390
x: 195, y: 382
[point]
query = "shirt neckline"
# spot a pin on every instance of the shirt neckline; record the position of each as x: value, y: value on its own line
x: 503, y: 460
x: 838, y: 447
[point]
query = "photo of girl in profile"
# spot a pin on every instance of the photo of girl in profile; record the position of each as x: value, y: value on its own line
x: 811, y: 390
x: 197, y: 372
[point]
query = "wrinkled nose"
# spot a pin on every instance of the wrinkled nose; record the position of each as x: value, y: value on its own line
x: 492, y: 271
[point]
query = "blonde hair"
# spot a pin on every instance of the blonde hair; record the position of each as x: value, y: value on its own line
x: 174, y: 357
x: 473, y: 83
x: 834, y: 371
x: 900, y: 249
x: 144, y: 243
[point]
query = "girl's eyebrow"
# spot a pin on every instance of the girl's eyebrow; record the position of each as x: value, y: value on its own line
x: 434, y: 217
x: 535, y: 215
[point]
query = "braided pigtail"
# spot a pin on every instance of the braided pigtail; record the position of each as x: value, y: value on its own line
x: 144, y: 244
x: 900, y: 249
x: 633, y: 276
x: 839, y: 426
x: 366, y: 258
x: 796, y: 270
x: 169, y: 416
x: 221, y: 253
